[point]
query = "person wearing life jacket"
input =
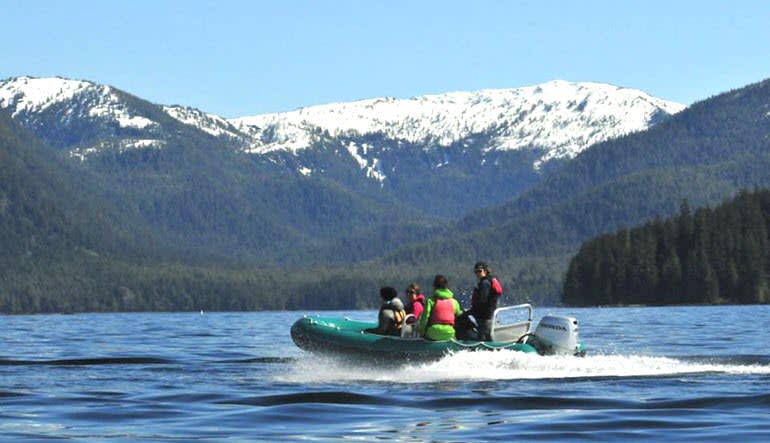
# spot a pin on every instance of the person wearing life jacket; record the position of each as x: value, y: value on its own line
x: 486, y: 293
x: 416, y: 301
x: 438, y: 319
x: 391, y: 315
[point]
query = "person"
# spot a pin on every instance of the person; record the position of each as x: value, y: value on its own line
x: 486, y: 292
x: 391, y: 315
x: 438, y: 319
x: 416, y: 301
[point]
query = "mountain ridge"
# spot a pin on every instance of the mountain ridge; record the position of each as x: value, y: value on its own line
x: 443, y: 119
x: 562, y: 118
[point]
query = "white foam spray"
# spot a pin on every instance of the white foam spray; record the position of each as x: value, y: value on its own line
x: 503, y: 365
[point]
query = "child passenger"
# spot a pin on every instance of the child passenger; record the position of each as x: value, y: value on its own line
x: 416, y: 301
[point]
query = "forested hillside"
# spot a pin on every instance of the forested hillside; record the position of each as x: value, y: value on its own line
x: 46, y: 207
x: 66, y: 247
x: 717, y: 255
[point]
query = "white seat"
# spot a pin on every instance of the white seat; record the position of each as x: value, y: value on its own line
x: 511, y: 332
x: 409, y: 330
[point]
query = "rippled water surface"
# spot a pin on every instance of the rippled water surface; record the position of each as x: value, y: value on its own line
x: 669, y: 374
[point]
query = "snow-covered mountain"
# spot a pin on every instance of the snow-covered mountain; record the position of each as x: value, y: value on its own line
x: 28, y: 97
x: 558, y: 118
x: 81, y: 116
x: 344, y: 174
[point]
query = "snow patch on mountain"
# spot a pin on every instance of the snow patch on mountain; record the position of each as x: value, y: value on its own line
x: 82, y: 153
x: 304, y: 170
x: 372, y: 167
x: 210, y: 123
x: 280, y: 135
x: 27, y: 94
x: 110, y: 107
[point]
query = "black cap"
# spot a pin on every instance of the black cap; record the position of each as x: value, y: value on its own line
x: 480, y: 265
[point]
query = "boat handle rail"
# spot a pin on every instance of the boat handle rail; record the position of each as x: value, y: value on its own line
x: 510, y: 308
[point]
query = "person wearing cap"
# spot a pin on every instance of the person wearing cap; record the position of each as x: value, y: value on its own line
x: 484, y: 299
x: 483, y: 302
x: 391, y: 315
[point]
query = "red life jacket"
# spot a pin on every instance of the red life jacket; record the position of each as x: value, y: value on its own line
x: 497, y: 288
x: 443, y: 312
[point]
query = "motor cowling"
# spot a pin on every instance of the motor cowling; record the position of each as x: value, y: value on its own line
x: 559, y: 335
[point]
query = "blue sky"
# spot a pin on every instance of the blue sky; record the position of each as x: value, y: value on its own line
x: 237, y: 58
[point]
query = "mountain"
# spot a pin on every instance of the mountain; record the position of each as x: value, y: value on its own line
x: 443, y: 155
x: 321, y: 188
x: 200, y: 192
x: 704, y: 154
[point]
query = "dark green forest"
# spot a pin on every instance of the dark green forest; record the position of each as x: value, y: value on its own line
x: 708, y: 256
x: 87, y: 282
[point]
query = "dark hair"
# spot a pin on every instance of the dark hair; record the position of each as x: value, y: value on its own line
x: 413, y: 287
x: 440, y: 282
x: 388, y: 293
x: 481, y: 265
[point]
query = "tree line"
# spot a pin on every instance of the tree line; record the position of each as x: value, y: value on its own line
x: 708, y: 256
x: 83, y: 281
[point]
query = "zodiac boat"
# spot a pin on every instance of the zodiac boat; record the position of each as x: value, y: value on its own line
x: 553, y: 335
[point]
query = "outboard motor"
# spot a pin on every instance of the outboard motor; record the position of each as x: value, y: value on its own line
x: 558, y: 335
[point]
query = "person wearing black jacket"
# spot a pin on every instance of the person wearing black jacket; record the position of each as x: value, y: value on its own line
x: 483, y: 304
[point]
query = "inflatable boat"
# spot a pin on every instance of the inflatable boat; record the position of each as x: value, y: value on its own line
x: 553, y: 335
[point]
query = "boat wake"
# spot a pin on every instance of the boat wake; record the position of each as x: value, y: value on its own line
x: 511, y: 365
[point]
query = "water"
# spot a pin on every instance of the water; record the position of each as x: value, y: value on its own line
x: 673, y: 374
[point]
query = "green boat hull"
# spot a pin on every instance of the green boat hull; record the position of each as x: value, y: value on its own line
x: 345, y: 336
